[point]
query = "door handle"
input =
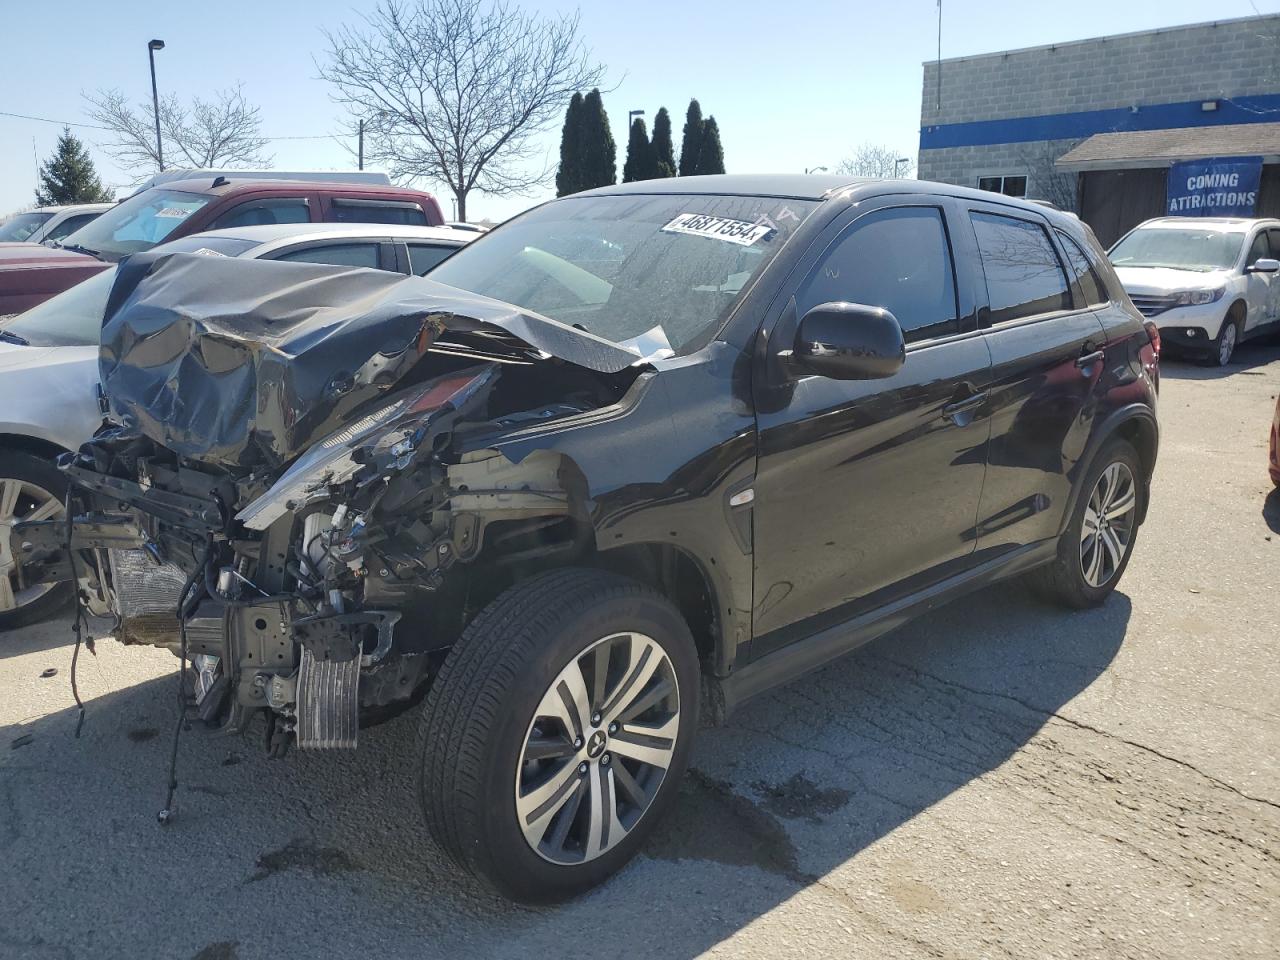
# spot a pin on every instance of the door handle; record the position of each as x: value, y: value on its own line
x: 956, y: 412
x: 1089, y: 359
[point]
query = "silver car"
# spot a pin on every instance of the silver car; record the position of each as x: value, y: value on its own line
x: 49, y: 367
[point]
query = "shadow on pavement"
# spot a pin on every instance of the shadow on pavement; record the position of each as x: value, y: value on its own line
x: 327, y: 854
x: 1247, y: 357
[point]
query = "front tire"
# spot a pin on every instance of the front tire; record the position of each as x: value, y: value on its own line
x: 1225, y: 345
x: 1095, y: 549
x: 30, y: 489
x: 555, y: 736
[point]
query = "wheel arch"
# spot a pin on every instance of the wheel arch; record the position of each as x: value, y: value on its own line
x: 24, y: 443
x: 1135, y: 423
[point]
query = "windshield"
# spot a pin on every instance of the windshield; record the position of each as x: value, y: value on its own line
x: 647, y: 269
x: 71, y: 319
x: 18, y: 228
x: 1180, y: 249
x: 137, y: 224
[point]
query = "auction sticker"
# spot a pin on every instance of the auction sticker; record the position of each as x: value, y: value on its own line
x: 719, y: 228
x: 175, y: 213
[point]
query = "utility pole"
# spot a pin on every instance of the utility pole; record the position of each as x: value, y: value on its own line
x: 152, y: 47
x: 361, y: 140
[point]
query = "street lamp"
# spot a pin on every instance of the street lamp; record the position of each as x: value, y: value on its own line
x: 152, y: 47
x: 809, y: 170
x: 631, y: 115
x: 895, y: 165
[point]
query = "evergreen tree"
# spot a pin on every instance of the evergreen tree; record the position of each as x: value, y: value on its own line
x: 68, y: 176
x: 664, y: 155
x: 640, y: 163
x: 711, y: 159
x: 599, y: 154
x: 569, y: 175
x: 691, y: 144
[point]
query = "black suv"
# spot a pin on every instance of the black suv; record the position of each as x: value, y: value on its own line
x: 629, y: 459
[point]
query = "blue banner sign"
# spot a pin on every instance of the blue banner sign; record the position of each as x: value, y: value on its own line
x: 1216, y: 187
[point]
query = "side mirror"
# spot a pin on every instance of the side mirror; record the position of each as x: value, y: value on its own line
x: 1263, y: 265
x: 849, y: 341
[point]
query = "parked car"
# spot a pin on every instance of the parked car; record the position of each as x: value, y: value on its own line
x: 49, y: 366
x: 49, y: 223
x: 1208, y: 282
x: 184, y: 207
x: 620, y: 464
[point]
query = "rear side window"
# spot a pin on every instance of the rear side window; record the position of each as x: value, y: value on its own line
x: 338, y: 254
x: 378, y: 211
x: 1024, y: 276
x: 898, y: 259
x: 424, y: 256
x: 1091, y: 285
x: 256, y: 213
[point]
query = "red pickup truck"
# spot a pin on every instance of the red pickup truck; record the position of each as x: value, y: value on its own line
x: 31, y: 273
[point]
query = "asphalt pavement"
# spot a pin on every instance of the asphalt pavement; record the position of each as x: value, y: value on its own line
x: 998, y: 779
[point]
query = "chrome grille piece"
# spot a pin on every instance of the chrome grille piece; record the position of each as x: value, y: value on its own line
x: 1149, y: 305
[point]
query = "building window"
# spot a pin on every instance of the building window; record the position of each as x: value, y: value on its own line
x: 1012, y: 186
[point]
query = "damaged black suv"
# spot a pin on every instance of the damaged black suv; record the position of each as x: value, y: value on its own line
x: 617, y: 466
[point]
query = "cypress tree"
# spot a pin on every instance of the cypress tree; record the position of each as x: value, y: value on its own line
x: 640, y: 161
x: 711, y: 159
x: 664, y: 155
x: 600, y: 154
x: 569, y: 175
x: 691, y: 144
x: 68, y: 176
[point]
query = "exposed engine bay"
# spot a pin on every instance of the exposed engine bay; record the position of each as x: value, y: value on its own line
x: 296, y: 490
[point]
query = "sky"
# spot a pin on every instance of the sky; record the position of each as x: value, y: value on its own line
x: 792, y: 85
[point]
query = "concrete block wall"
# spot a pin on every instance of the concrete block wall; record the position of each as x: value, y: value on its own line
x: 1200, y: 62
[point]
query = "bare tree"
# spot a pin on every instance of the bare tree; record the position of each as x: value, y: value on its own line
x: 1045, y: 181
x: 223, y: 132
x: 876, y: 160
x: 456, y: 91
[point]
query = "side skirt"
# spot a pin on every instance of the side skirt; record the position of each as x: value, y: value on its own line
x: 794, y: 661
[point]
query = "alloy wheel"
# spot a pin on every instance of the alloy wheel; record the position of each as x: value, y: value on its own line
x: 21, y: 500
x: 597, y: 749
x: 1108, y: 524
x: 1226, y: 343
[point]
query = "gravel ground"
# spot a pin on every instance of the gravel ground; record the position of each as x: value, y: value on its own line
x: 995, y: 780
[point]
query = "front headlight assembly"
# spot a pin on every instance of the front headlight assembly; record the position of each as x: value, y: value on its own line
x: 1192, y: 298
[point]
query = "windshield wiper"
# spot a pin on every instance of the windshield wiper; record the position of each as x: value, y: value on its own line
x: 7, y: 336
x: 76, y: 248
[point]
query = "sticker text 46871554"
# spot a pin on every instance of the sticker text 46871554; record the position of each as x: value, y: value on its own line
x: 719, y: 228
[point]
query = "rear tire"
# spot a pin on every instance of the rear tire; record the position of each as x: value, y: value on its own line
x: 528, y: 774
x: 30, y: 488
x: 1095, y: 549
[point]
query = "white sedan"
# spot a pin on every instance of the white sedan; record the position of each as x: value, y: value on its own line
x: 49, y: 366
x: 49, y: 223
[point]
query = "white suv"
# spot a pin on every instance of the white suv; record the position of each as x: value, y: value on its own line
x: 49, y: 223
x: 1207, y: 282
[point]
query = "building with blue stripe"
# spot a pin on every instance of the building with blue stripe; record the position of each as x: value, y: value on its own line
x: 1094, y: 125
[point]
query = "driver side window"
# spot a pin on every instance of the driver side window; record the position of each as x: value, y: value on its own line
x: 898, y: 259
x: 1260, y: 250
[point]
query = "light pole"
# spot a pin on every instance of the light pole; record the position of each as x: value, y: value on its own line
x: 895, y: 165
x: 809, y: 170
x: 152, y: 47
x: 631, y: 115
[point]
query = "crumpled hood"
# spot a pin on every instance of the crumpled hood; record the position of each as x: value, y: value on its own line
x: 245, y: 362
x: 1159, y: 280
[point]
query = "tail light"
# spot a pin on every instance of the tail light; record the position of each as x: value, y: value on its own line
x: 1153, y: 333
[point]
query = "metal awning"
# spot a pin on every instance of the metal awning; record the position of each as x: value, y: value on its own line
x: 1160, y: 148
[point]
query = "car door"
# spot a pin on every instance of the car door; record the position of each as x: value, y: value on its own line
x: 868, y: 490
x: 425, y: 256
x: 264, y: 210
x: 1260, y: 288
x: 1047, y: 353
